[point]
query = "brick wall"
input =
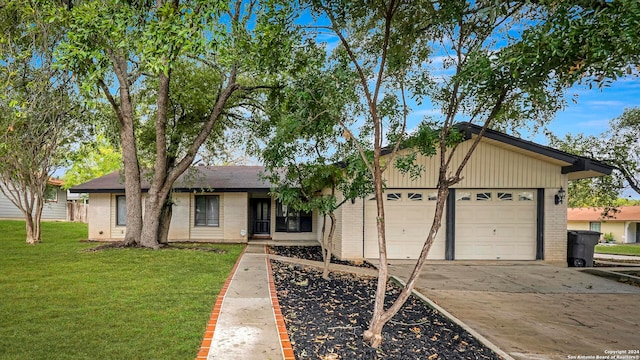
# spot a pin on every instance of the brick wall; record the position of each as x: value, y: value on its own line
x: 555, y: 228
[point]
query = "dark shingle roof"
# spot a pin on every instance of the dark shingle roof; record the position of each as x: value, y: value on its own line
x: 208, y: 178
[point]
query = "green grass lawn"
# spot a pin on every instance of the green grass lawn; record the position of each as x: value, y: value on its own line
x: 620, y: 249
x: 60, y: 302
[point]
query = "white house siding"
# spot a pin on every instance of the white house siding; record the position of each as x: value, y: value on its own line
x: 207, y: 233
x: 99, y: 216
x: 52, y: 210
x: 491, y: 166
x: 179, y: 228
x: 236, y: 211
x: 347, y: 241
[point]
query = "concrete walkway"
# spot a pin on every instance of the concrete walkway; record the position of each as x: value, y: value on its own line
x: 616, y: 257
x: 532, y: 310
x: 245, y: 320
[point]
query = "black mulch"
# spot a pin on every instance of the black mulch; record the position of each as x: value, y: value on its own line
x: 325, y: 320
x: 313, y: 253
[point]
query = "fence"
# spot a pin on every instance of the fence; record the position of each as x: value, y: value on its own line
x: 77, y: 211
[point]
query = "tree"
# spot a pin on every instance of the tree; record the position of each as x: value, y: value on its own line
x: 224, y: 56
x: 37, y: 111
x: 618, y: 147
x: 303, y: 156
x: 487, y: 75
x: 92, y: 160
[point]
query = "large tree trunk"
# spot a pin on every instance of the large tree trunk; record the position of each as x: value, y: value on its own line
x: 154, y: 213
x: 132, y: 184
x: 165, y: 221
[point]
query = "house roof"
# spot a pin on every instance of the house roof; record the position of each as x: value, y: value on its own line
x: 55, y: 182
x: 247, y: 178
x: 575, y: 166
x: 205, y: 178
x: 623, y: 213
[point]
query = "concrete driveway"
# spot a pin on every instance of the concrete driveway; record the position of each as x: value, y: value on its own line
x: 533, y: 310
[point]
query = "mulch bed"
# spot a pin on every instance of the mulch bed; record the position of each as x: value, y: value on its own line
x: 325, y: 320
x: 313, y: 253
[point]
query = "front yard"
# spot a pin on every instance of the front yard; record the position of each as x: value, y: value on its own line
x: 62, y: 302
x: 619, y: 249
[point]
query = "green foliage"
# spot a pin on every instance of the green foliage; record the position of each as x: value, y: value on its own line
x: 91, y: 161
x: 618, y: 147
x: 81, y: 304
x: 302, y: 128
x: 586, y: 41
x: 608, y: 237
x: 39, y: 114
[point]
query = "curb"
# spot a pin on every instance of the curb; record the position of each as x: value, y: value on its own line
x: 287, y: 348
x: 466, y: 327
x: 203, y: 353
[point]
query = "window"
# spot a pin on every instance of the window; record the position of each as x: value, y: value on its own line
x: 594, y: 226
x: 525, y: 196
x: 394, y: 196
x: 207, y: 210
x: 505, y: 196
x: 483, y: 196
x: 288, y: 220
x: 121, y: 210
x: 50, y: 194
x: 463, y: 196
x: 432, y: 196
x: 415, y: 196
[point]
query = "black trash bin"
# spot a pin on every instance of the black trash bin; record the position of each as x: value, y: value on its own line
x: 580, y: 246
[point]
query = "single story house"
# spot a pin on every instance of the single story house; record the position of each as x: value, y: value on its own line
x: 508, y: 206
x: 623, y: 224
x: 55, y: 205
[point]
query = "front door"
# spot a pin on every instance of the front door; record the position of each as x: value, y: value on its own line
x: 638, y: 232
x: 261, y: 216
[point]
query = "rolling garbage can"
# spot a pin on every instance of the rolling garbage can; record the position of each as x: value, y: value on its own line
x: 580, y: 247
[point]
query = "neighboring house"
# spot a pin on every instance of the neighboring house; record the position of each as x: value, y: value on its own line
x: 55, y: 205
x: 506, y: 206
x: 623, y: 224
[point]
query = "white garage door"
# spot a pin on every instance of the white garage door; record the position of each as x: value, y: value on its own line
x: 409, y: 214
x: 495, y: 224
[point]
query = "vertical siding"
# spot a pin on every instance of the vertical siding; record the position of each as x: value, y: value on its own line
x: 490, y: 166
x: 351, y: 242
x: 206, y: 232
x: 179, y: 228
x: 236, y: 209
x: 99, y: 216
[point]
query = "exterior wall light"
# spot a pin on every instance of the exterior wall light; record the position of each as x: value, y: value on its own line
x: 560, y: 196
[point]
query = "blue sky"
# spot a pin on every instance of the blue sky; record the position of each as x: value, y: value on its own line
x: 594, y: 108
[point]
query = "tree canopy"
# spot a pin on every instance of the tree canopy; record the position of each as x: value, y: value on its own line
x: 619, y: 147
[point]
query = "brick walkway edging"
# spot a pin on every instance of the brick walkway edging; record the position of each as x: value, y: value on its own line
x: 203, y: 353
x: 287, y: 349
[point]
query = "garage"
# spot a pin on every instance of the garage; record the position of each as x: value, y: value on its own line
x: 495, y: 224
x: 409, y: 214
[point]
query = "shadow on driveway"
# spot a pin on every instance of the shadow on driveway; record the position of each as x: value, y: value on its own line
x: 533, y: 310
